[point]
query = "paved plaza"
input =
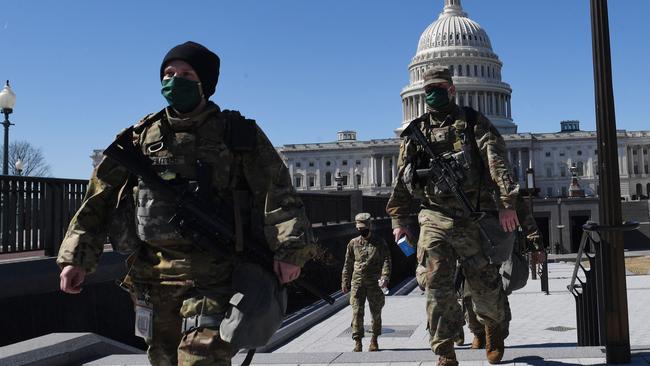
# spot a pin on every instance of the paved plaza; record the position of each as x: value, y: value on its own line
x: 543, y: 328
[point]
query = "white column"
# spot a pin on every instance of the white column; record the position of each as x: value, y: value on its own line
x: 371, y: 172
x: 394, y: 171
x: 641, y: 161
x: 291, y: 171
x: 630, y: 160
x: 319, y: 183
x: 475, y: 106
x: 622, y: 153
x: 383, y: 171
x: 521, y: 165
x: 510, y: 157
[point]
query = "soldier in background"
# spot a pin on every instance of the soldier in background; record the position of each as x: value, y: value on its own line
x: 182, y: 292
x: 366, y: 273
x: 446, y: 233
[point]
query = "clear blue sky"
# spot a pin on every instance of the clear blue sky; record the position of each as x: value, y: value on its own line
x: 83, y: 70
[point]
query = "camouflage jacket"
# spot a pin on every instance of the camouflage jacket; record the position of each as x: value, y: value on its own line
x: 366, y: 261
x: 282, y: 220
x: 447, y: 132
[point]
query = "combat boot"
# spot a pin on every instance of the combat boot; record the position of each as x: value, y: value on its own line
x: 446, y: 355
x: 374, y: 347
x: 358, y: 347
x: 479, y: 341
x: 494, y: 346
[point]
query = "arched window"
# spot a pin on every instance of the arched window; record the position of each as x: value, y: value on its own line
x: 297, y: 180
x: 328, y: 179
x: 647, y: 189
x: 467, y: 70
x: 460, y: 70
x: 358, y: 180
x: 639, y: 190
x: 580, y: 168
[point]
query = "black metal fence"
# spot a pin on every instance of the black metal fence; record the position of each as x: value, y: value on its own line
x: 587, y: 284
x: 35, y: 212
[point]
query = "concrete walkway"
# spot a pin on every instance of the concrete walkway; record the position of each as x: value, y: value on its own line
x: 543, y: 325
x: 542, y: 332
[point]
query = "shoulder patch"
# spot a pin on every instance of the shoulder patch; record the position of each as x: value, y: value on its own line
x: 147, y: 120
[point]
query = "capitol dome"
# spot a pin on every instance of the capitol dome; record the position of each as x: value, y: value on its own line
x: 461, y: 44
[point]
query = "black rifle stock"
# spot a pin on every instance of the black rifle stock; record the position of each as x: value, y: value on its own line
x: 208, y: 232
x: 444, y: 174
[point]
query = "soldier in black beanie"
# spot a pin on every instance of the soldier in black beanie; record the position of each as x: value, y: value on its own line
x: 183, y: 293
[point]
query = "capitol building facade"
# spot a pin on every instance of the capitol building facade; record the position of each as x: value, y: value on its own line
x: 459, y: 43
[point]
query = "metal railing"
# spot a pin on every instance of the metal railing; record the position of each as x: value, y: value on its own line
x: 36, y: 211
x: 589, y: 291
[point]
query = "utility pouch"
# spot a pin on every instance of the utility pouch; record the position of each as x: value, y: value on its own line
x: 257, y: 307
x: 122, y: 226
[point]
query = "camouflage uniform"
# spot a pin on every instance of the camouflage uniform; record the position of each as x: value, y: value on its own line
x: 367, y: 260
x: 529, y: 240
x: 445, y: 234
x: 167, y: 270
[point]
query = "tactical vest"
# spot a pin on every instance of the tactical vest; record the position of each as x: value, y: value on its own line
x: 193, y: 154
x: 454, y: 139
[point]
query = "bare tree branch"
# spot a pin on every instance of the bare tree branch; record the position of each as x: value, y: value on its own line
x: 34, y: 163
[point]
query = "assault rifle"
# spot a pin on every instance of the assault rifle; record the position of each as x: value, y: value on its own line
x: 193, y: 216
x: 446, y: 172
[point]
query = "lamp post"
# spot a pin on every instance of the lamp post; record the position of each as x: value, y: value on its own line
x: 7, y: 102
x: 339, y: 181
x: 19, y: 167
x: 560, y: 226
x: 531, y: 191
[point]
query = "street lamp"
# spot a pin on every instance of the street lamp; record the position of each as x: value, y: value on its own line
x: 19, y: 167
x: 7, y: 102
x: 339, y: 181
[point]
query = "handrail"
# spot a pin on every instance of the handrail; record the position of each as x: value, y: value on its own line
x: 588, y: 229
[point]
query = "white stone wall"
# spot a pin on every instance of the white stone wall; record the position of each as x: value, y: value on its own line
x: 549, y: 154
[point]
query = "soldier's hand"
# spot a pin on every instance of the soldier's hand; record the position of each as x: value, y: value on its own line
x: 71, y: 279
x: 508, y: 219
x: 286, y: 272
x: 398, y: 232
x: 345, y: 289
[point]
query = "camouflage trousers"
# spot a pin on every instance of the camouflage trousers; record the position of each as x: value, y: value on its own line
x: 479, y: 329
x: 376, y: 300
x: 442, y: 241
x: 168, y: 345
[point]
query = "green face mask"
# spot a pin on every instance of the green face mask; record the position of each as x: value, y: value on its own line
x: 437, y: 97
x: 182, y: 94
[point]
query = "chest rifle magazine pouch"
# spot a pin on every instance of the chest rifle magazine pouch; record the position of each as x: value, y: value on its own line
x: 122, y: 226
x: 257, y: 307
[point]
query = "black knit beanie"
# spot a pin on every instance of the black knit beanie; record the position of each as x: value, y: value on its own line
x: 203, y: 61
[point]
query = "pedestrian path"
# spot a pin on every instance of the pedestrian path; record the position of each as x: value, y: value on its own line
x: 543, y: 325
